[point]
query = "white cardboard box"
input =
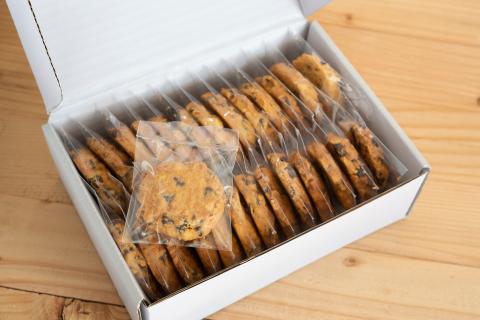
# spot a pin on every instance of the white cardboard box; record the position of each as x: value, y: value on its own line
x: 80, y: 51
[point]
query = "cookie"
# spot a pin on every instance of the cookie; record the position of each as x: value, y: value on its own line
x: 294, y: 187
x: 257, y: 204
x: 209, y: 257
x: 177, y: 141
x: 186, y: 264
x: 339, y: 183
x: 227, y: 243
x: 183, y: 201
x: 162, y: 267
x: 265, y: 102
x: 109, y: 190
x: 278, y: 200
x: 244, y: 227
x: 372, y: 152
x: 185, y: 117
x: 114, y: 158
x: 124, y: 137
x: 298, y: 84
x: 203, y: 116
x: 286, y: 100
x: 354, y: 167
x: 232, y: 117
x: 314, y: 184
x: 150, y: 138
x: 320, y: 74
x: 258, y: 120
x: 135, y: 261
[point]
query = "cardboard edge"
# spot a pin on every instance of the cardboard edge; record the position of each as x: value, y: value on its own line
x: 36, y: 52
x: 311, y: 6
x: 125, y: 283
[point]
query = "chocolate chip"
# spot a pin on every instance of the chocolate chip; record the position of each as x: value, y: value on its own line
x: 339, y: 149
x: 166, y: 219
x: 291, y: 172
x: 179, y: 182
x: 360, y: 172
x: 207, y: 191
x: 169, y: 197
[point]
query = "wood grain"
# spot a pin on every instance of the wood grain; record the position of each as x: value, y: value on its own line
x: 17, y: 304
x: 422, y: 60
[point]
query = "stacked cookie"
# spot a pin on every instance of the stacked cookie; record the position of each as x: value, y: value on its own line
x: 297, y: 166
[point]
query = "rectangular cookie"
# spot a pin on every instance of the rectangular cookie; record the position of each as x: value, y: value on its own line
x: 353, y: 166
x: 232, y: 117
x: 314, y: 185
x: 279, y: 201
x: 299, y: 85
x: 135, y: 261
x: 373, y: 153
x: 321, y: 74
x: 294, y: 187
x: 258, y: 120
x: 244, y: 227
x: 266, y: 103
x: 261, y: 213
x: 288, y: 102
x: 338, y: 181
x: 162, y: 267
x: 114, y: 158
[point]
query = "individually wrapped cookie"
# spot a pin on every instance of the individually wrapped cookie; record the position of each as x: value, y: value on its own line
x: 181, y: 199
x: 275, y: 193
x: 112, y: 200
x: 256, y: 202
x: 123, y: 136
x: 113, y: 156
x: 345, y: 105
x: 109, y: 190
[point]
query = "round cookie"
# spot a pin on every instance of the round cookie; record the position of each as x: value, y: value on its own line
x: 181, y: 200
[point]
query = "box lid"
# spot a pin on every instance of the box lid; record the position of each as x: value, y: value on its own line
x: 77, y: 48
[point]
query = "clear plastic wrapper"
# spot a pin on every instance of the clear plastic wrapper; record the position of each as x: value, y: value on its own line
x: 257, y: 118
x: 343, y: 103
x: 181, y: 199
x: 224, y: 109
x: 112, y: 200
x: 115, y: 159
x: 256, y: 202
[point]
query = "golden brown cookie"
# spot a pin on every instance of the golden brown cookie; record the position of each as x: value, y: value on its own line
x: 286, y: 100
x: 135, y: 261
x: 181, y: 200
x: 373, y: 153
x: 353, y: 166
x: 261, y: 213
x: 109, y: 190
x: 185, y: 117
x: 294, y: 187
x: 177, y: 141
x: 227, y: 243
x: 232, y: 117
x: 124, y: 137
x: 244, y: 227
x: 161, y: 266
x: 209, y: 257
x: 114, y: 158
x: 341, y: 187
x: 298, y: 84
x: 186, y: 264
x: 258, y: 120
x: 320, y: 73
x: 278, y: 201
x: 265, y: 102
x: 314, y: 185
x: 150, y: 138
x: 203, y: 116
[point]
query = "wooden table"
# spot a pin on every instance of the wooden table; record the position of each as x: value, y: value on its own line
x: 422, y: 58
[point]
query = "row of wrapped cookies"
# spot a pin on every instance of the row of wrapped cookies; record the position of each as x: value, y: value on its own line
x: 306, y: 155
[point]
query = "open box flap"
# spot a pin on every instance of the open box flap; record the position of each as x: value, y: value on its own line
x: 91, y: 46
